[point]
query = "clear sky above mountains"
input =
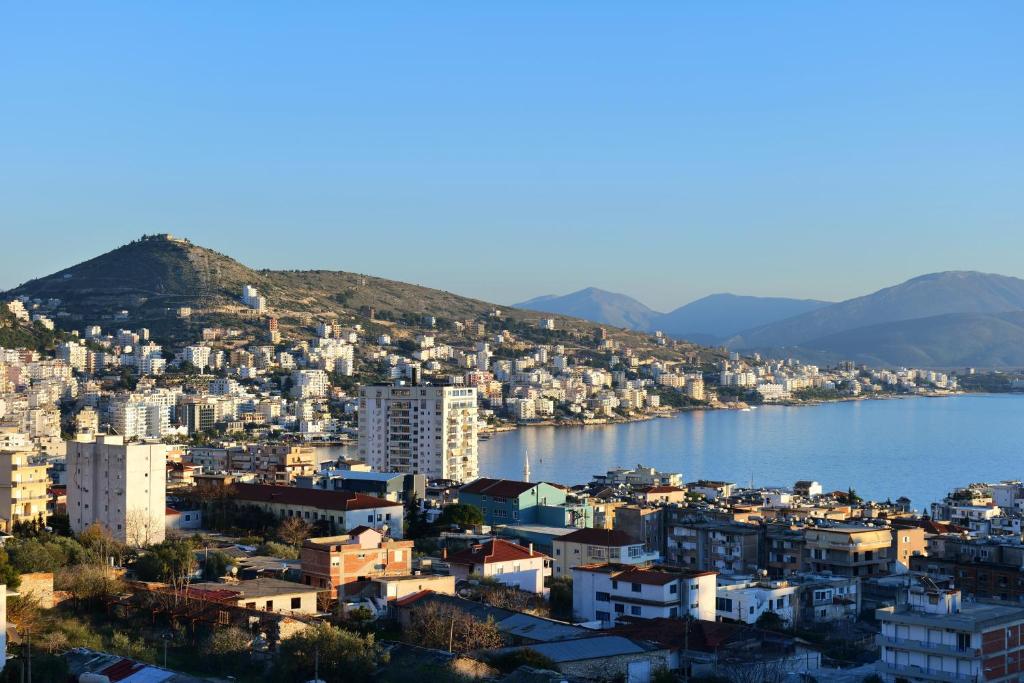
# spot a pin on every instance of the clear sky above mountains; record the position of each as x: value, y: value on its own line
x: 666, y: 150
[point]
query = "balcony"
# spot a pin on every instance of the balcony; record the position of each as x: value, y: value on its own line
x: 922, y: 646
x: 922, y: 673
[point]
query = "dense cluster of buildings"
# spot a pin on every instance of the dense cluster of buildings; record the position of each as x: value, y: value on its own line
x: 118, y: 431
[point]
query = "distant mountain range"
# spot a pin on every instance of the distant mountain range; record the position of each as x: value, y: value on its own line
x: 948, y: 319
x: 709, y: 320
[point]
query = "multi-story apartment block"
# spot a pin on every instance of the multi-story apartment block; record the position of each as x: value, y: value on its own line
x: 847, y: 550
x: 415, y: 429
x: 604, y: 592
x: 348, y: 560
x: 120, y: 486
x: 784, y: 549
x: 587, y: 546
x: 826, y: 598
x: 699, y: 543
x: 934, y: 636
x: 982, y: 568
x: 23, y: 484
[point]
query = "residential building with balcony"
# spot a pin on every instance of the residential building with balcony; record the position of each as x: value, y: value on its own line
x: 413, y: 429
x: 606, y: 592
x: 747, y: 601
x: 23, y: 488
x: 588, y: 546
x: 706, y: 544
x: 935, y: 636
x: 847, y: 550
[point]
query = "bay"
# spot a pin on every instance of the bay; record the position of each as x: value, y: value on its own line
x: 917, y: 447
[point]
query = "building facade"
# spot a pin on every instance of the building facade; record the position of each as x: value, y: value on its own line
x: 430, y: 430
x: 122, y: 487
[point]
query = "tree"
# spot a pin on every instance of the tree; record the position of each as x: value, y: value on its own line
x: 172, y: 562
x: 293, y: 531
x: 510, y: 661
x: 229, y: 647
x: 445, y: 627
x: 8, y: 574
x: 415, y: 518
x: 342, y: 655
x: 88, y: 582
x: 461, y: 515
x: 561, y: 597
x: 496, y: 594
x: 272, y: 549
x: 770, y: 621
x: 851, y: 497
x: 215, y: 565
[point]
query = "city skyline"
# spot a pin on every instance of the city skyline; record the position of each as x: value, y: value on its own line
x: 664, y: 152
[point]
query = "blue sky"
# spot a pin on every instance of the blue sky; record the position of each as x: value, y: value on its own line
x: 505, y: 150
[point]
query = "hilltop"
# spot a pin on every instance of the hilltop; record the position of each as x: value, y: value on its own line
x: 153, y: 277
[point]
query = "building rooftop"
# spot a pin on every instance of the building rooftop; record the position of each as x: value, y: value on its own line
x: 504, y: 488
x: 318, y: 498
x: 606, y: 537
x: 973, y: 616
x: 580, y: 649
x: 493, y: 551
x: 653, y: 575
x: 252, y: 588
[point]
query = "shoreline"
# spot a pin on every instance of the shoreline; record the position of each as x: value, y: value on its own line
x: 738, y: 405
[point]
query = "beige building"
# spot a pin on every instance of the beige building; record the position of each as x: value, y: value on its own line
x: 23, y: 482
x: 265, y: 595
x: 120, y: 486
x: 847, y: 550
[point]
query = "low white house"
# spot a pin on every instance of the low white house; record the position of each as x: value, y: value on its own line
x: 503, y: 561
x: 746, y: 601
x: 605, y: 592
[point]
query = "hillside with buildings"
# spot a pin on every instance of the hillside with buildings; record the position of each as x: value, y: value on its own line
x: 175, y: 288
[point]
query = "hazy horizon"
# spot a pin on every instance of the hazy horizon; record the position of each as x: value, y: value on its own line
x: 663, y: 151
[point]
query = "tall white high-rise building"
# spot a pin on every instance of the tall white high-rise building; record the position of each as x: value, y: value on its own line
x: 121, y: 486
x: 430, y: 430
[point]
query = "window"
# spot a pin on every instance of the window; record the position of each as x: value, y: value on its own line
x: 602, y: 596
x: 634, y: 610
x: 723, y: 604
x: 635, y: 588
x: 296, y: 603
x: 620, y: 608
x: 673, y: 612
x: 674, y: 588
x: 603, y: 616
x: 615, y: 584
x: 270, y: 605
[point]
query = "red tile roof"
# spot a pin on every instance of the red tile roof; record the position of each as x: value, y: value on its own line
x: 614, y: 538
x: 505, y: 488
x: 663, y: 489
x: 493, y: 551
x: 317, y: 498
x: 411, y: 598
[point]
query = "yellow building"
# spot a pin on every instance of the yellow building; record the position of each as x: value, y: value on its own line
x: 23, y: 485
x: 848, y: 550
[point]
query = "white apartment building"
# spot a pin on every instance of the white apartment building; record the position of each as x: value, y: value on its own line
x: 120, y: 486
x: 310, y: 384
x: 934, y: 637
x: 745, y: 602
x: 604, y: 592
x: 429, y: 430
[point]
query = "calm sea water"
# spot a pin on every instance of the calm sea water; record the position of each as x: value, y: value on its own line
x: 917, y: 447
